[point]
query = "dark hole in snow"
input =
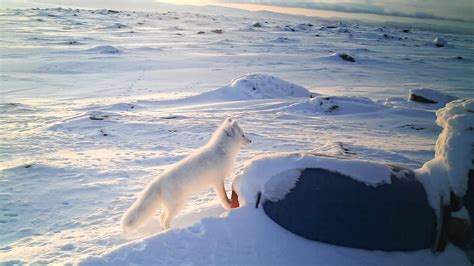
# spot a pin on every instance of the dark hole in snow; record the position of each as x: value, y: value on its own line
x: 406, y: 30
x: 29, y: 165
x: 460, y: 57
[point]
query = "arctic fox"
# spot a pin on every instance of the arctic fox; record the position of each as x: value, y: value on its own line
x: 207, y: 166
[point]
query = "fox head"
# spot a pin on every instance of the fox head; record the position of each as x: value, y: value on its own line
x: 233, y: 129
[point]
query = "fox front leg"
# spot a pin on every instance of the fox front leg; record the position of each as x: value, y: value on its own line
x: 220, y: 190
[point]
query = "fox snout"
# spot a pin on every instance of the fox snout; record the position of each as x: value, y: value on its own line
x: 246, y: 141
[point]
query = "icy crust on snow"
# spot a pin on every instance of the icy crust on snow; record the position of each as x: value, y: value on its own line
x: 246, y: 236
x: 454, y: 153
x: 438, y: 98
x: 335, y: 105
x: 259, y: 173
x: 257, y: 86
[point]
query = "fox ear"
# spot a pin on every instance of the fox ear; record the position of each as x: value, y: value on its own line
x: 231, y: 128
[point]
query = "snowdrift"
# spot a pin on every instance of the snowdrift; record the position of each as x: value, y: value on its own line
x: 255, y: 86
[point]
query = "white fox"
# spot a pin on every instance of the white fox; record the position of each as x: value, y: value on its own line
x: 207, y: 166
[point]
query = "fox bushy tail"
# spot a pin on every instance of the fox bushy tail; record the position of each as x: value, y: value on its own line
x: 142, y: 209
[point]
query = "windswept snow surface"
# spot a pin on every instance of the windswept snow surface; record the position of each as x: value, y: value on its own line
x: 95, y: 104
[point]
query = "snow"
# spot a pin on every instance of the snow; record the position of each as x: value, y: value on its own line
x: 454, y: 157
x: 259, y: 173
x: 257, y: 241
x: 82, y: 132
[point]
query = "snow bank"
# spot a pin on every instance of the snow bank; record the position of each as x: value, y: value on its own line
x: 256, y: 86
x: 248, y: 237
x: 259, y: 172
x: 430, y: 96
x: 448, y: 171
x: 336, y: 105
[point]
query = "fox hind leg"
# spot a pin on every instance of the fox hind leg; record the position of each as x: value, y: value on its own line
x: 169, y: 212
x: 163, y: 215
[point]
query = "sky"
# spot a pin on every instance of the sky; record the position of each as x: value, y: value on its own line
x: 459, y: 10
x: 462, y: 10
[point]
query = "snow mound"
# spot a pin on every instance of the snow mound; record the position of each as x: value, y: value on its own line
x: 260, y: 171
x: 257, y: 86
x: 104, y: 49
x: 335, y: 105
x: 454, y: 156
x: 430, y: 96
x: 440, y: 42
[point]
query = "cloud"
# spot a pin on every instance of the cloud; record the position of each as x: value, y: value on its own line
x: 459, y: 10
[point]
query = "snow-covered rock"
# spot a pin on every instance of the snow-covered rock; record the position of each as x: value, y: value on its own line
x: 454, y: 157
x: 335, y: 105
x: 260, y: 171
x: 430, y: 96
x: 104, y: 49
x: 440, y: 42
x: 338, y: 58
x: 302, y: 27
x: 257, y: 86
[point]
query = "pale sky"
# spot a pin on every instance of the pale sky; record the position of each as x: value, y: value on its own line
x: 462, y: 10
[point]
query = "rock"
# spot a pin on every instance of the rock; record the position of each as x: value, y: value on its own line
x: 201, y: 32
x: 347, y: 57
x: 430, y: 96
x: 257, y: 25
x: 218, y: 31
x: 440, y: 42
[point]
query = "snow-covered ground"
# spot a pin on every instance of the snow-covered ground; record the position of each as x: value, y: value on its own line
x: 95, y: 104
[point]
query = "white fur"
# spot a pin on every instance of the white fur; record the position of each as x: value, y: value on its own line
x: 206, y: 167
